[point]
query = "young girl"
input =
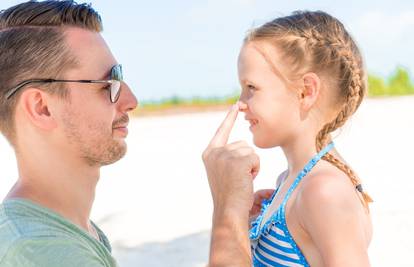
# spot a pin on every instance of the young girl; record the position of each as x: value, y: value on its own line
x: 302, y: 77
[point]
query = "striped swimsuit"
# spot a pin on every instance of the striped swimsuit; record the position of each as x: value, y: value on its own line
x: 272, y: 244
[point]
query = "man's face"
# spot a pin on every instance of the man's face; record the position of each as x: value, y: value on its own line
x: 91, y: 125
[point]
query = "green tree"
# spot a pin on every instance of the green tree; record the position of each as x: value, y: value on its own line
x: 400, y: 82
x: 376, y: 86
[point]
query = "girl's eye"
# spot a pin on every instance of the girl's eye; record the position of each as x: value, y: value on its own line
x: 251, y: 87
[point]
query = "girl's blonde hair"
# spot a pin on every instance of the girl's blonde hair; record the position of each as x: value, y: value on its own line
x: 318, y: 42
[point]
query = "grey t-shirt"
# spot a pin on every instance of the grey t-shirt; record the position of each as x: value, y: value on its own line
x: 32, y: 235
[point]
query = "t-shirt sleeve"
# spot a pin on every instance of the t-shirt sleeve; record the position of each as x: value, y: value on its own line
x: 48, y: 252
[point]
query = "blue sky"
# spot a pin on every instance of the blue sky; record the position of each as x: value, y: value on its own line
x: 189, y: 48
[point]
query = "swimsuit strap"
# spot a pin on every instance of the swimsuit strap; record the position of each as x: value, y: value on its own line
x: 305, y: 171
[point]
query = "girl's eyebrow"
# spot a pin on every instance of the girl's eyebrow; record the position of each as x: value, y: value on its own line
x: 247, y: 81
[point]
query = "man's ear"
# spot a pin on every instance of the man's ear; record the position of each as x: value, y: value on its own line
x: 310, y: 89
x: 34, y: 104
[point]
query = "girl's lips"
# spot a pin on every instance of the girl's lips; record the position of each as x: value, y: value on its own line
x: 253, y: 123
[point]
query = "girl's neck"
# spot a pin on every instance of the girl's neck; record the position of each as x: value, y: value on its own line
x: 298, y: 152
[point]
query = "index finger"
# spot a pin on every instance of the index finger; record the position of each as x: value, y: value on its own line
x: 223, y: 132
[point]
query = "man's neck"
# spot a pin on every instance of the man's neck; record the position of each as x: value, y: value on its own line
x: 60, y: 185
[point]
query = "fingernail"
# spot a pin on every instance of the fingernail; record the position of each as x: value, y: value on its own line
x: 236, y: 106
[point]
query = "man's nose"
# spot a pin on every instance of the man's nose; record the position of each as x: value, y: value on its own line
x: 127, y: 100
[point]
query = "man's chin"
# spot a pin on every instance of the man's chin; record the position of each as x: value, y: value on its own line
x: 110, y: 156
x: 117, y: 155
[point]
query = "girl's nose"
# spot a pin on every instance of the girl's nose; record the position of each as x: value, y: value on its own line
x: 242, y: 106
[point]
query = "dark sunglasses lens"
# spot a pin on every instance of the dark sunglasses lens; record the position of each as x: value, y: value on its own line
x: 115, y: 90
x: 116, y: 73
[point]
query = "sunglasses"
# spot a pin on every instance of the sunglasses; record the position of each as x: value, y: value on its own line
x: 114, y: 83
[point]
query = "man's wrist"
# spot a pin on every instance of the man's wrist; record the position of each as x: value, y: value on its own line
x: 230, y: 215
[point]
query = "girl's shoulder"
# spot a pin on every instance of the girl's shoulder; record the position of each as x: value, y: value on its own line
x: 327, y: 189
x: 326, y: 180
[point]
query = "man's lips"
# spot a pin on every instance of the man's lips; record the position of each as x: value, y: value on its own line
x: 122, y: 128
x: 122, y: 122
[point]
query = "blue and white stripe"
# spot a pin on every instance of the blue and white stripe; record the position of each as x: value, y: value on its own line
x: 275, y: 249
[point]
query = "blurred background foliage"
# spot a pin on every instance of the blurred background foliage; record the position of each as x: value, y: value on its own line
x: 399, y: 83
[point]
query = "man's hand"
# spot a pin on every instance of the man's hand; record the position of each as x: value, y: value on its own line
x: 231, y: 169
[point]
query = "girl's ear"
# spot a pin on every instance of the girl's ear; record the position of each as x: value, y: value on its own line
x: 310, y: 89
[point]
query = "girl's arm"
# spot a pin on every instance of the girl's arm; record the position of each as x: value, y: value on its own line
x: 333, y: 216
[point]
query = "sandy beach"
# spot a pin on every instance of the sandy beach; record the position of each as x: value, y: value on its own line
x: 155, y: 204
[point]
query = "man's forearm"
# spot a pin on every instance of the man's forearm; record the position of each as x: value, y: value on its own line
x: 230, y: 245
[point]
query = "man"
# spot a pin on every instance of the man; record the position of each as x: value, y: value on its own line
x: 64, y: 109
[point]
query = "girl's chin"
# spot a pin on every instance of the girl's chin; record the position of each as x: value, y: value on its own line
x: 262, y: 143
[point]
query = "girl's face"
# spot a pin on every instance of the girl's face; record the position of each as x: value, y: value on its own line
x: 272, y: 109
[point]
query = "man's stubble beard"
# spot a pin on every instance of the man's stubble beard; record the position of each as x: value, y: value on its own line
x: 96, y: 144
